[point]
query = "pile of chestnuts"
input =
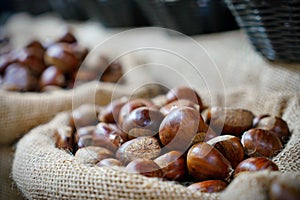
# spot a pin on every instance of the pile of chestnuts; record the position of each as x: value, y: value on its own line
x: 182, y: 140
x: 38, y: 67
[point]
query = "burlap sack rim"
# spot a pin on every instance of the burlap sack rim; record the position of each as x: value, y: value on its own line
x: 177, y: 191
x: 27, y: 110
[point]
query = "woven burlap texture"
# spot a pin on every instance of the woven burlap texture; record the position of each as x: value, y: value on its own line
x: 19, y: 112
x: 42, y: 171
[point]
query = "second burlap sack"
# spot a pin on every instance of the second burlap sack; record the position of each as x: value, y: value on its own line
x: 20, y: 112
x: 42, y: 171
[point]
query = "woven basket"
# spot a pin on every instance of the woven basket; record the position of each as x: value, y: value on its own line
x: 115, y: 13
x: 273, y: 27
x: 189, y: 16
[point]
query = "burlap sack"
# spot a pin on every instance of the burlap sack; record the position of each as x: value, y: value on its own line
x: 42, y: 171
x: 19, y: 112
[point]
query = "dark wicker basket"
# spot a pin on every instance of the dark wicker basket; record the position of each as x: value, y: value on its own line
x: 272, y: 26
x: 189, y: 16
x: 115, y: 13
x: 69, y: 9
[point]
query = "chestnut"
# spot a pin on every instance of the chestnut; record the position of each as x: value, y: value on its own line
x: 204, y: 162
x: 18, y: 77
x: 85, y: 115
x: 109, y: 162
x: 259, y: 142
x: 229, y: 121
x: 37, y: 46
x: 98, y: 64
x: 173, y: 165
x: 103, y: 140
x: 62, y: 56
x: 111, y: 112
x: 92, y: 154
x: 282, y: 188
x: 85, y: 141
x: 230, y: 147
x: 105, y: 128
x: 67, y: 37
x: 178, y: 103
x: 184, y: 93
x: 144, y: 167
x: 131, y: 105
x: 141, y: 147
x: 52, y: 76
x: 255, y: 164
x: 115, y: 135
x: 142, y: 121
x: 209, y: 186
x: 112, y: 73
x: 64, y: 138
x: 83, y: 75
x: 179, y: 128
x: 33, y: 59
x: 276, y: 125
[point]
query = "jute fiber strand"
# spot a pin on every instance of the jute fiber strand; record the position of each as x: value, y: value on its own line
x: 42, y: 171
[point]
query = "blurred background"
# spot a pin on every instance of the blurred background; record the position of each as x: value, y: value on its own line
x: 187, y: 16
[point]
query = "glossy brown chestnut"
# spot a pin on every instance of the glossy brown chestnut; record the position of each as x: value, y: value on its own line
x: 141, y: 147
x: 52, y: 76
x: 101, y: 140
x: 229, y: 121
x: 36, y: 45
x: 255, y: 164
x: 64, y: 138
x: 230, y: 147
x: 145, y: 167
x: 82, y: 76
x: 62, y: 56
x: 109, y: 162
x: 173, y: 165
x: 85, y: 141
x: 131, y: 105
x: 259, y: 142
x: 33, y: 59
x: 105, y: 128
x: 85, y: 115
x: 17, y: 77
x: 281, y: 188
x: 184, y: 93
x: 67, y: 37
x: 98, y: 64
x: 209, y: 186
x: 204, y: 162
x: 178, y: 103
x: 114, y: 134
x: 179, y: 128
x: 92, y: 154
x: 111, y: 112
x: 276, y: 125
x: 143, y: 121
x: 113, y: 73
